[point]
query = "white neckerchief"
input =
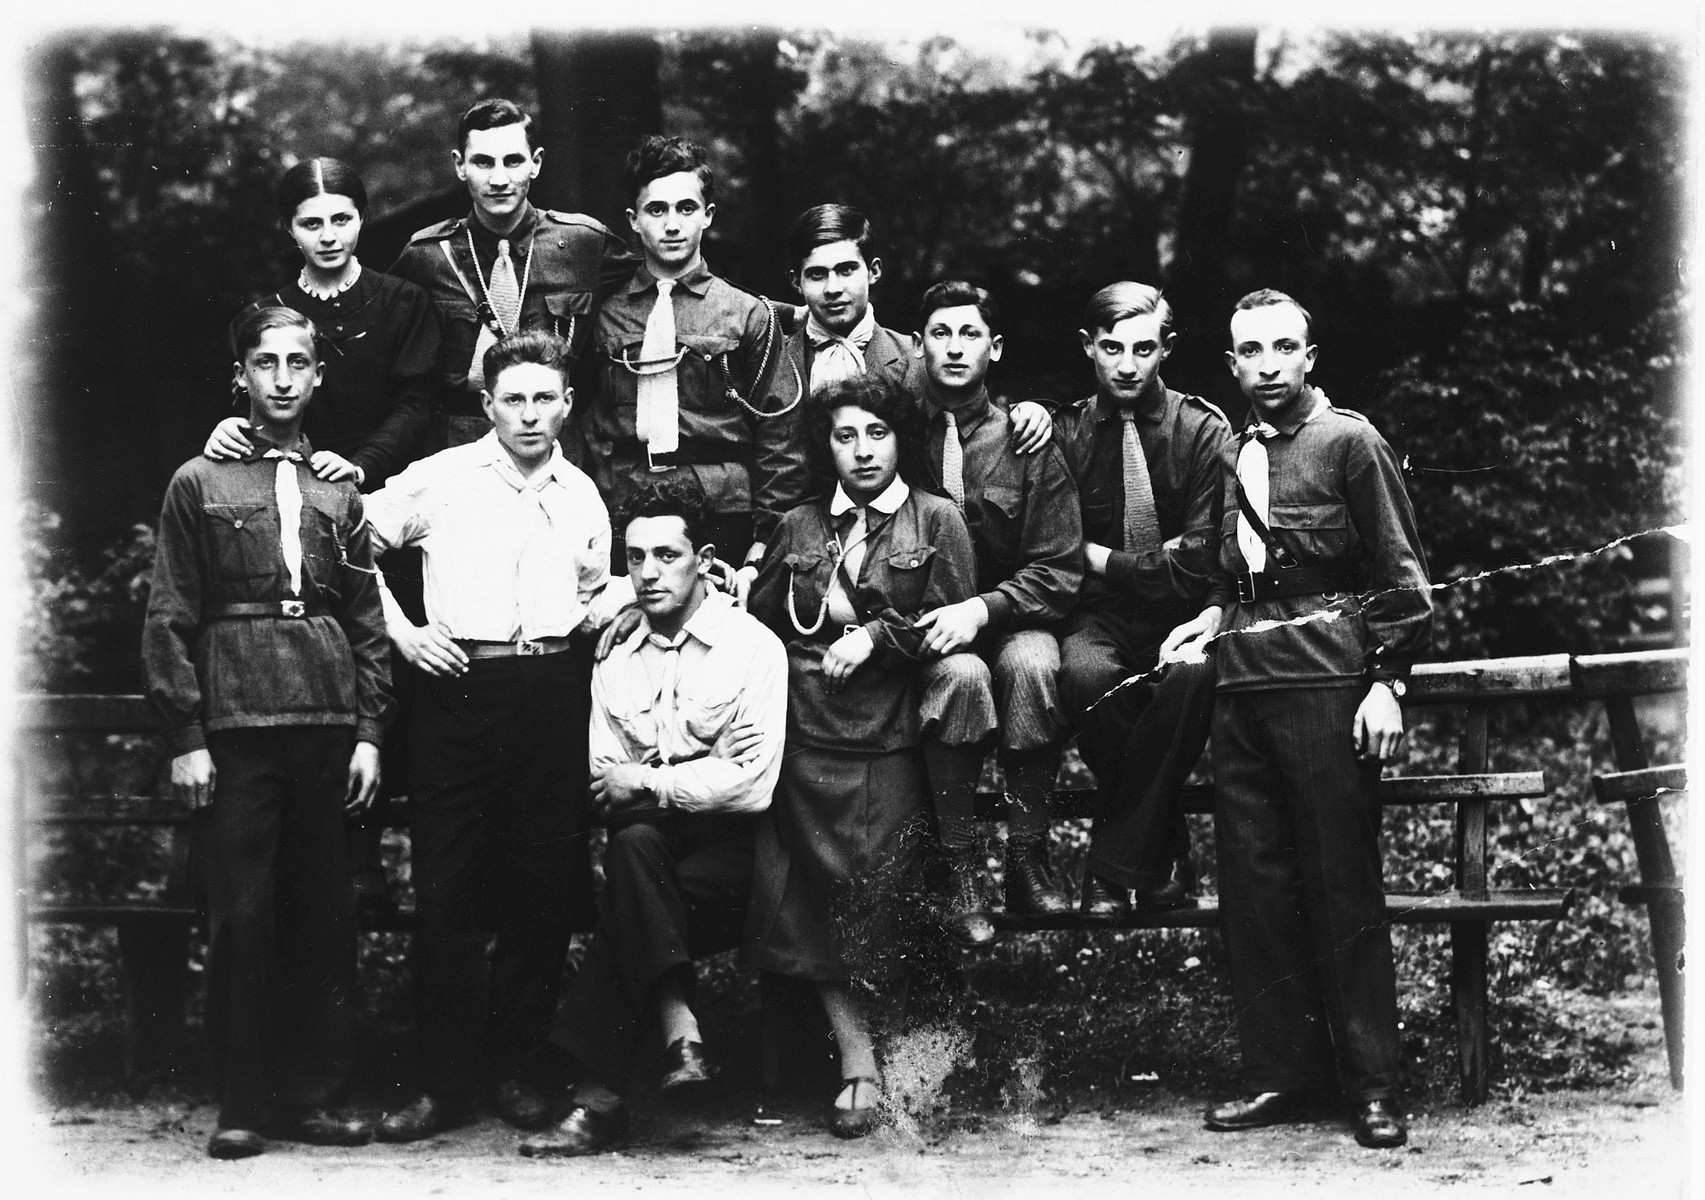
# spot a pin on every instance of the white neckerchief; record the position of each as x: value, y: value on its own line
x: 835, y: 357
x: 287, y: 490
x: 1253, y: 473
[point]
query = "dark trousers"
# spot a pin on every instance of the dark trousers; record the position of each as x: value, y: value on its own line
x: 280, y: 919
x: 500, y: 842
x: 1301, y: 897
x: 675, y: 890
x: 1142, y: 742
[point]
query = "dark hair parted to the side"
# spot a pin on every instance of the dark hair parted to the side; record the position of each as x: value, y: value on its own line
x: 529, y: 346
x: 679, y: 496
x: 494, y: 114
x: 319, y: 177
x: 881, y: 399
x: 952, y: 293
x: 823, y: 225
x: 254, y: 325
x: 1267, y: 298
x: 657, y: 156
x: 1118, y: 301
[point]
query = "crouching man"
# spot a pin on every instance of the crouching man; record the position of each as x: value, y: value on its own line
x: 264, y: 651
x: 688, y: 715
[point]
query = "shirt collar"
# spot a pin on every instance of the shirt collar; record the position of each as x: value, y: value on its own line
x: 529, y: 219
x: 1151, y: 409
x: 858, y: 336
x: 706, y: 625
x: 1289, y: 428
x: 888, y: 503
x: 496, y: 457
x: 967, y: 415
x: 299, y: 447
x: 696, y: 281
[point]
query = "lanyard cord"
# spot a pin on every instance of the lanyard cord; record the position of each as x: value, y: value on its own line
x: 526, y: 274
x: 840, y: 553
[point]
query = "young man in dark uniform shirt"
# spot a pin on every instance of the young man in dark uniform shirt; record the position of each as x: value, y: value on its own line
x: 264, y: 651
x: 506, y: 266
x: 1023, y: 514
x: 682, y: 362
x: 1317, y: 525
x: 1149, y: 464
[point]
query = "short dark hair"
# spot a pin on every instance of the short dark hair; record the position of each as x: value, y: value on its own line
x: 1117, y: 301
x: 254, y: 323
x: 656, y: 156
x: 879, y: 397
x: 319, y: 177
x: 674, y: 497
x: 1268, y: 298
x: 823, y: 225
x: 951, y: 293
x: 494, y: 114
x: 528, y: 346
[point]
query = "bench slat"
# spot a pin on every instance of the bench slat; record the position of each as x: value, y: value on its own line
x: 1618, y: 787
x: 37, y: 712
x: 1407, y: 908
x: 1637, y: 673
x: 1489, y: 679
x: 117, y: 913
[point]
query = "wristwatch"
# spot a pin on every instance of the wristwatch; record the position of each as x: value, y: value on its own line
x: 1398, y: 687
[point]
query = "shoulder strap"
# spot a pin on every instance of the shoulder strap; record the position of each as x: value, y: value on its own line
x: 1276, y: 550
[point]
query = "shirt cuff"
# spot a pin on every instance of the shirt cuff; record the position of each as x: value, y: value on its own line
x: 1384, y: 667
x: 369, y: 730
x: 656, y: 781
x: 999, y: 605
x: 183, y: 741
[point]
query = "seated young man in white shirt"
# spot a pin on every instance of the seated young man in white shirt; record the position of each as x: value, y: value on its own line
x: 688, y: 715
x: 516, y: 547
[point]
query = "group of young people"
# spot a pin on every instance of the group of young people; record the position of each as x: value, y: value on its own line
x: 838, y: 573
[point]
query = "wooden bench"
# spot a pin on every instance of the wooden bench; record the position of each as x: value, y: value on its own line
x: 1616, y: 679
x: 1469, y: 906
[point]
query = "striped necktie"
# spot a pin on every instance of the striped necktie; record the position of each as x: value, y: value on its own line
x: 1142, y: 527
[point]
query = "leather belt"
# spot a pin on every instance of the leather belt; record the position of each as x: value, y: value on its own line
x: 265, y: 608
x: 698, y: 452
x: 520, y: 648
x: 1294, y: 581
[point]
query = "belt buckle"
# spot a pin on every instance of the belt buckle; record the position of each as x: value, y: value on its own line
x: 1246, y: 587
x: 293, y: 608
x: 846, y: 629
x: 525, y: 647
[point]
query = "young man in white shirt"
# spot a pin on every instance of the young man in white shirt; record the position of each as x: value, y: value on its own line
x: 516, y: 547
x: 688, y: 716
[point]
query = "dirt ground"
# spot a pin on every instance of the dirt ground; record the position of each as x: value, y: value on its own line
x: 1605, y: 1143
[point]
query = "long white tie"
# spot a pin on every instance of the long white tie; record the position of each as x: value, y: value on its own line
x: 1252, y: 474
x: 288, y: 492
x: 657, y: 419
x: 953, y: 461
x: 537, y: 591
x: 504, y: 296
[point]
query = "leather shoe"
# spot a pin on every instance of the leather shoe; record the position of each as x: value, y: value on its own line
x: 426, y: 1116
x: 1102, y: 901
x: 1170, y: 894
x: 860, y: 1119
x: 582, y: 1131
x: 966, y: 918
x: 1028, y: 888
x: 684, y: 1065
x: 235, y: 1143
x: 520, y: 1104
x: 321, y: 1127
x: 1380, y: 1126
x: 1261, y: 1109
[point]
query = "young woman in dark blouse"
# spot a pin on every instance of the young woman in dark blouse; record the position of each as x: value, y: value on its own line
x: 842, y: 584
x: 378, y: 336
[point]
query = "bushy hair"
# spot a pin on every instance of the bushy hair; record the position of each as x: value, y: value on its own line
x: 494, y: 114
x: 254, y: 324
x: 881, y: 399
x: 656, y: 156
x: 1268, y: 298
x: 1118, y: 301
x: 823, y: 225
x: 528, y: 346
x: 952, y: 293
x: 319, y: 177
x: 676, y: 496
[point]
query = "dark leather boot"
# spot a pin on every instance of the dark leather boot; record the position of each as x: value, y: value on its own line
x: 966, y: 916
x: 1029, y: 890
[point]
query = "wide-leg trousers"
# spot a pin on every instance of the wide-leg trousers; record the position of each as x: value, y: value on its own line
x: 500, y: 841
x: 280, y: 917
x: 1301, y: 898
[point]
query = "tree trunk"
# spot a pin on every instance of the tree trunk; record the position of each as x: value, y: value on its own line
x: 764, y: 258
x: 598, y: 94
